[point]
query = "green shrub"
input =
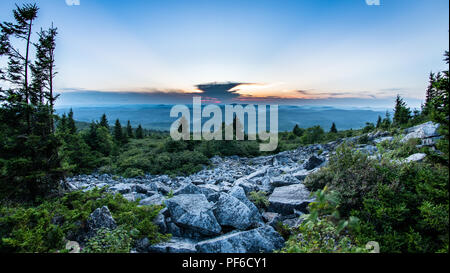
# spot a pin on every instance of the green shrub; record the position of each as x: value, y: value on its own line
x: 259, y: 198
x: 322, y: 230
x: 404, y: 207
x: 109, y: 241
x: 133, y: 172
x: 42, y: 228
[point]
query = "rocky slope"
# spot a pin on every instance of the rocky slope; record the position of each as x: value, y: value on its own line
x: 210, y: 211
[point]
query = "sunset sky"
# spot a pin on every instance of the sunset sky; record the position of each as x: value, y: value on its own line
x: 285, y: 49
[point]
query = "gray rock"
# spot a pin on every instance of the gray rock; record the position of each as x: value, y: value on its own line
x: 230, y: 211
x: 121, y: 188
x: 283, y: 180
x: 367, y: 149
x: 271, y: 218
x: 160, y: 221
x: 301, y: 174
x: 173, y: 228
x: 285, y: 200
x: 134, y: 196
x: 246, y: 185
x: 262, y: 239
x: 425, y: 130
x: 187, y: 188
x: 193, y: 211
x: 175, y: 245
x: 293, y: 222
x: 313, y: 162
x: 142, y: 245
x: 239, y: 193
x: 156, y: 199
x: 381, y: 139
x: 258, y: 173
x: 416, y: 157
x: 100, y: 218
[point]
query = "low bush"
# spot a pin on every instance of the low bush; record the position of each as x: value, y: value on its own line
x: 45, y: 227
x: 402, y: 206
x: 323, y: 230
x: 259, y: 198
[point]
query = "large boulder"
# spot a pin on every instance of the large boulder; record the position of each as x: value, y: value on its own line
x: 285, y: 200
x: 262, y: 239
x: 283, y: 180
x: 416, y: 157
x: 194, y: 212
x: 230, y: 211
x: 239, y: 193
x: 101, y: 218
x: 422, y: 131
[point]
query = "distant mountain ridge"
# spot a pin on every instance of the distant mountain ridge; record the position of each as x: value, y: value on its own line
x: 157, y: 116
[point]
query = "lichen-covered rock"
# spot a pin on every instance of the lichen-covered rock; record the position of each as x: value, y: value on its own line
x: 285, y: 200
x: 101, y: 218
x: 422, y: 131
x: 193, y: 211
x: 230, y: 211
x: 262, y: 239
x: 239, y: 193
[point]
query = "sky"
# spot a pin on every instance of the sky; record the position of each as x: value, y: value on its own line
x: 294, y: 52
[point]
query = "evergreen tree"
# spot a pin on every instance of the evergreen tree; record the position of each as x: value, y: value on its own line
x: 62, y: 125
x: 402, y: 114
x: 333, y: 128
x: 379, y: 122
x: 118, y: 134
x: 439, y: 109
x: 71, y: 123
x: 91, y: 137
x: 429, y: 93
x: 18, y: 63
x: 139, y: 132
x: 298, y: 131
x: 104, y: 121
x: 129, y: 130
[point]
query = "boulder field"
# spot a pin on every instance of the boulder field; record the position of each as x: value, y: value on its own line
x: 210, y: 212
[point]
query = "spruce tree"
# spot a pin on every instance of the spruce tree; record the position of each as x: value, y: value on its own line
x: 71, y: 122
x: 118, y: 134
x: 129, y: 130
x: 139, y: 132
x: 379, y: 122
x: 333, y: 128
x: 298, y: 131
x: 104, y: 121
x: 402, y: 113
